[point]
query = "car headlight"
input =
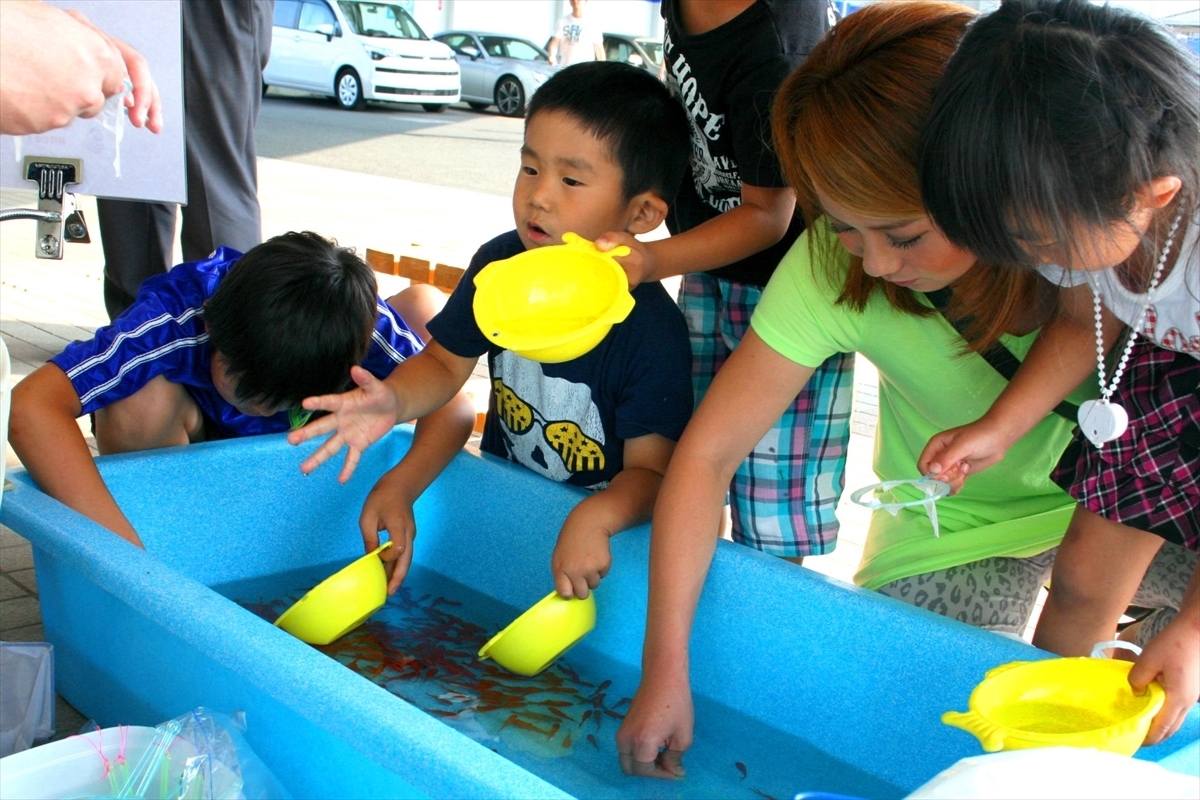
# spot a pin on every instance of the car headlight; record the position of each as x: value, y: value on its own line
x: 378, y: 55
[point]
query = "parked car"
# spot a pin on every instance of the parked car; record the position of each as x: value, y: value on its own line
x: 640, y: 51
x: 355, y: 51
x: 498, y: 69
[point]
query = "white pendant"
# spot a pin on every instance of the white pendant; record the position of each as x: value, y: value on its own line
x: 1102, y: 421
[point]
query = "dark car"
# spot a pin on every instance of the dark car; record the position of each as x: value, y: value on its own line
x: 641, y: 51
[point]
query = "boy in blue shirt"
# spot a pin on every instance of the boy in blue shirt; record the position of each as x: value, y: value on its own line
x: 215, y: 349
x: 605, y: 147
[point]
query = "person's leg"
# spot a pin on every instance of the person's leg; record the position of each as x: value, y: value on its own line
x: 784, y: 495
x: 137, y: 239
x: 418, y: 304
x: 996, y: 594
x: 160, y: 414
x: 1099, y: 568
x: 225, y: 47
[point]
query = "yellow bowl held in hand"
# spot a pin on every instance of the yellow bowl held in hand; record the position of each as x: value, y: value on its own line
x: 340, y: 603
x: 534, y: 640
x: 553, y: 303
x: 1075, y: 702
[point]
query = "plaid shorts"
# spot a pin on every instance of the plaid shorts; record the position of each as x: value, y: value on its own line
x: 1147, y: 479
x: 784, y: 495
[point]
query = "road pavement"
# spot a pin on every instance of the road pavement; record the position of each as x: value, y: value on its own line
x: 459, y: 148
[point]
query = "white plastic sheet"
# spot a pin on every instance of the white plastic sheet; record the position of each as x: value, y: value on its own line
x: 26, y: 694
x: 1058, y: 773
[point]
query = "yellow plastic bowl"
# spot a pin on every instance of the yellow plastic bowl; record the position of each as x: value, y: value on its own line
x: 340, y: 603
x: 553, y: 303
x: 1076, y: 702
x: 551, y: 627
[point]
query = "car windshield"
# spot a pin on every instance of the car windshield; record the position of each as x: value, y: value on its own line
x: 503, y: 46
x: 380, y: 19
x: 653, y: 49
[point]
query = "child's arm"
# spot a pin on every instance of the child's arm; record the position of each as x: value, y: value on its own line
x: 581, y: 557
x: 47, y: 439
x: 1173, y: 659
x: 437, y: 439
x: 758, y: 222
x: 1061, y: 358
x: 359, y: 417
x: 760, y: 383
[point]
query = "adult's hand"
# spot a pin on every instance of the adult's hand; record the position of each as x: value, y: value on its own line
x: 357, y: 419
x: 657, y: 729
x: 143, y: 103
x: 47, y: 87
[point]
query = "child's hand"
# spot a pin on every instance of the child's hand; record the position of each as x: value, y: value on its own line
x: 638, y: 265
x: 657, y: 728
x: 388, y: 508
x: 1173, y: 659
x: 359, y: 418
x: 951, y: 455
x: 581, y: 558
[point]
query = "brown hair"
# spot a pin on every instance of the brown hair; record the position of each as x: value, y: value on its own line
x: 849, y: 121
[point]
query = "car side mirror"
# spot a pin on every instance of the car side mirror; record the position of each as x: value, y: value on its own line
x: 327, y: 30
x: 636, y: 60
x: 476, y: 55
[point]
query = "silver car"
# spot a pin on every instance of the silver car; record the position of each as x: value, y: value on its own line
x: 498, y: 69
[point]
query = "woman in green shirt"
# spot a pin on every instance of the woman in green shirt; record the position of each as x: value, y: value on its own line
x: 846, y: 129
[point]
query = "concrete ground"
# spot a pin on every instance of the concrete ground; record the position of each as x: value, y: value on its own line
x: 46, y: 304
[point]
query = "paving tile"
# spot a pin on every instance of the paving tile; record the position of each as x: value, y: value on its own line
x: 67, y: 720
x: 9, y: 590
x: 25, y: 578
x: 19, y: 613
x: 10, y: 538
x: 27, y: 633
x: 17, y: 557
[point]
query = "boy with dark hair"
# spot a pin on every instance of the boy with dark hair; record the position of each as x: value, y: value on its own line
x: 215, y: 349
x: 605, y: 147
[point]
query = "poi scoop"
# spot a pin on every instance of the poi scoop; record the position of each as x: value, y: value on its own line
x: 883, y: 495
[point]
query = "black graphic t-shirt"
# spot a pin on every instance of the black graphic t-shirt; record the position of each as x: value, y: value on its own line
x: 569, y: 421
x: 726, y: 79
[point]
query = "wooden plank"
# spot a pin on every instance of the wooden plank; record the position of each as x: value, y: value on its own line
x: 415, y: 269
x: 447, y: 277
x: 380, y: 261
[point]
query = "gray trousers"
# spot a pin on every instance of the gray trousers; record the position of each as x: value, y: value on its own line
x: 226, y: 44
x: 999, y: 594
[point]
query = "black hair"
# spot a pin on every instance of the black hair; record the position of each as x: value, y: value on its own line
x: 291, y: 317
x: 630, y: 110
x: 1049, y: 116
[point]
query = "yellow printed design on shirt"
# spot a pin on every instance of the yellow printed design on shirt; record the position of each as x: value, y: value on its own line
x: 578, y: 452
x: 514, y: 411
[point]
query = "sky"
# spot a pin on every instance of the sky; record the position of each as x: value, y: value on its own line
x: 1158, y: 8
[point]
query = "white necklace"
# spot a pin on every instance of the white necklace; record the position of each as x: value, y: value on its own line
x: 1101, y: 420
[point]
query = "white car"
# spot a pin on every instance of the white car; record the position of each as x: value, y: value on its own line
x: 498, y: 69
x: 355, y: 51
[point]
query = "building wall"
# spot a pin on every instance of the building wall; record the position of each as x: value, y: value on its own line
x: 534, y: 19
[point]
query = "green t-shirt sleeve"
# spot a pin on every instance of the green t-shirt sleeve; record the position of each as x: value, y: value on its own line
x: 798, y: 316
